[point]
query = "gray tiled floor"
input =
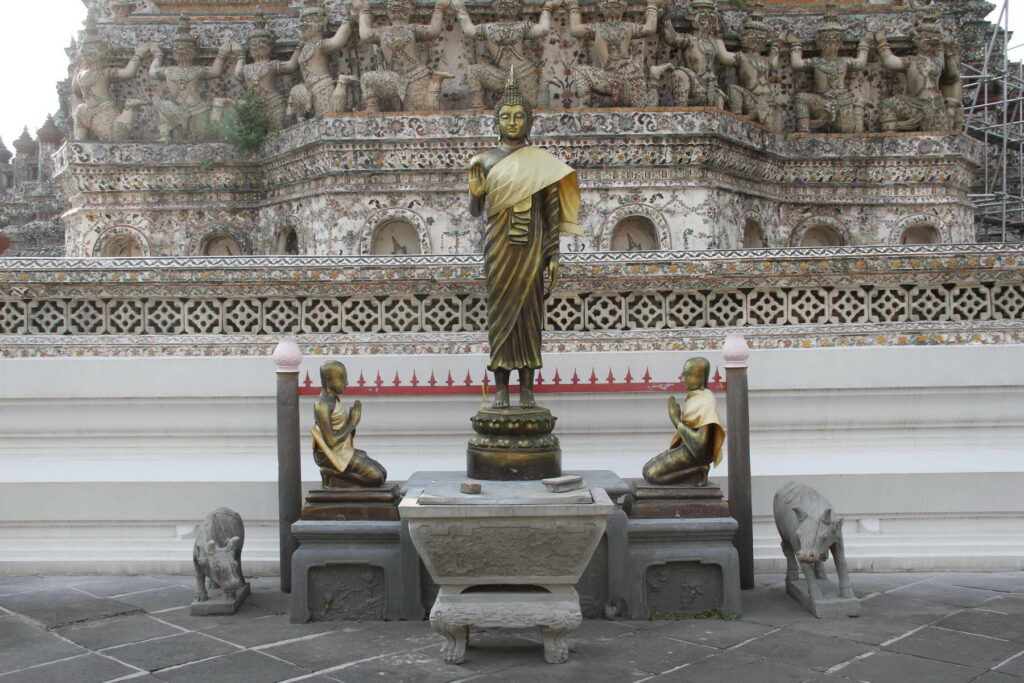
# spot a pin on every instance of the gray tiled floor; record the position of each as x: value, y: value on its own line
x: 929, y: 628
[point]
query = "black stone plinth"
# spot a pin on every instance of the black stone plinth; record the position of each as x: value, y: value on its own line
x: 513, y: 444
x: 652, y: 501
x: 354, y: 503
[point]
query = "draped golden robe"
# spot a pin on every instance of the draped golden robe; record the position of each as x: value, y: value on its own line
x: 339, y: 456
x: 699, y: 409
x: 531, y: 197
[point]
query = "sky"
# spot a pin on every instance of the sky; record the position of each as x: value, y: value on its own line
x: 34, y: 33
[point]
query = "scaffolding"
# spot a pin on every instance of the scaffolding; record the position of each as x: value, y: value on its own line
x: 994, y: 114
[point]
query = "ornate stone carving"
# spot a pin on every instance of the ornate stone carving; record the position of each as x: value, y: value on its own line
x: 619, y: 70
x: 343, y: 592
x: 319, y: 94
x: 931, y: 73
x: 184, y: 108
x: 685, y: 588
x: 94, y: 112
x: 753, y: 94
x: 260, y: 77
x: 506, y: 45
x: 832, y: 107
x: 405, y: 77
x: 695, y: 83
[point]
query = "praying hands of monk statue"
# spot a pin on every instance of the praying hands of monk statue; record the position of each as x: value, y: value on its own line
x: 405, y: 78
x: 530, y: 196
x: 319, y: 94
x: 505, y: 43
x: 695, y: 83
x: 618, y: 70
x: 697, y: 442
x: 341, y: 463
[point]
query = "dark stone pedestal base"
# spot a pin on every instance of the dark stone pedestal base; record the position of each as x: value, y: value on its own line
x: 353, y: 503
x: 684, y: 501
x: 513, y: 444
x: 354, y: 570
x: 219, y: 603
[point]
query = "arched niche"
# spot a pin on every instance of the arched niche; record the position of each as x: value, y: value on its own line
x: 121, y: 241
x: 820, y: 231
x: 637, y: 221
x: 753, y: 234
x: 634, y: 233
x: 220, y: 241
x: 394, y: 231
x: 286, y: 243
x: 921, y: 228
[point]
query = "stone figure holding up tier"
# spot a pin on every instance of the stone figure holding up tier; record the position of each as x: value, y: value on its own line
x: 697, y: 443
x: 505, y: 43
x: 260, y: 77
x: 695, y: 83
x: 618, y: 71
x: 184, y: 108
x: 832, y: 107
x: 531, y: 197
x: 405, y: 77
x: 341, y: 464
x: 924, y: 106
x: 319, y: 94
x: 94, y: 112
x: 752, y: 95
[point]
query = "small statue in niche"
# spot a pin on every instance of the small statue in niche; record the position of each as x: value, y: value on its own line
x: 260, y: 77
x: 832, y: 107
x: 616, y: 72
x: 319, y: 94
x: 184, y: 108
x: 697, y: 443
x: 341, y: 464
x: 695, y: 83
x: 506, y: 48
x: 752, y: 94
x: 924, y: 105
x: 405, y: 76
x: 94, y: 112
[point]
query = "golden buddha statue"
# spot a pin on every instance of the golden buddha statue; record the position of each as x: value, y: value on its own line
x: 697, y: 443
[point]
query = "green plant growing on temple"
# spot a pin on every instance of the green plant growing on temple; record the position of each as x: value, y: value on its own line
x: 246, y: 125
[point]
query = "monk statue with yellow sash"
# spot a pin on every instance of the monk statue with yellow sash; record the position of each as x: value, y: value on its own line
x: 697, y: 443
x: 531, y: 197
x: 341, y: 463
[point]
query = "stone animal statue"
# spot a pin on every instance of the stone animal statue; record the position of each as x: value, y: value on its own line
x: 217, y: 555
x: 804, y: 520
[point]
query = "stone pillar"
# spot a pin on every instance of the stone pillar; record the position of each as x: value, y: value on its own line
x: 736, y: 352
x: 287, y: 357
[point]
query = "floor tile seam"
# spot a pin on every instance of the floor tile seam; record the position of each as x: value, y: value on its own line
x: 143, y: 642
x: 146, y: 590
x: 851, y: 660
x: 129, y: 677
x: 750, y: 640
x: 283, y: 661
x: 52, y: 661
x: 991, y: 611
x: 923, y: 626
x: 1007, y: 661
x: 677, y: 668
x: 288, y: 641
x: 346, y: 665
x: 194, y: 661
x: 183, y: 629
x: 690, y: 642
x: 914, y: 583
x: 971, y: 633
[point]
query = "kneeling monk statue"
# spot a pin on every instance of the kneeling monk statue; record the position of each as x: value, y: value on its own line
x: 341, y: 464
x: 697, y: 443
x: 531, y: 197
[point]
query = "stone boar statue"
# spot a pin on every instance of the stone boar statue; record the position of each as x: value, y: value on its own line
x: 217, y: 555
x: 804, y: 520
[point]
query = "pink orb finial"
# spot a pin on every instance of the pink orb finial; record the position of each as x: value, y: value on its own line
x: 287, y: 356
x: 735, y: 352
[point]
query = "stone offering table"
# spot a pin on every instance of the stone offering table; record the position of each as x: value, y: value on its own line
x: 508, y: 556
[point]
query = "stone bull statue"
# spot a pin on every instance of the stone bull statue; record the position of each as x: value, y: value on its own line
x: 804, y: 520
x: 217, y: 555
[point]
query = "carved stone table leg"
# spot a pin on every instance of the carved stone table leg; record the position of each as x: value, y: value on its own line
x: 455, y: 638
x: 556, y: 644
